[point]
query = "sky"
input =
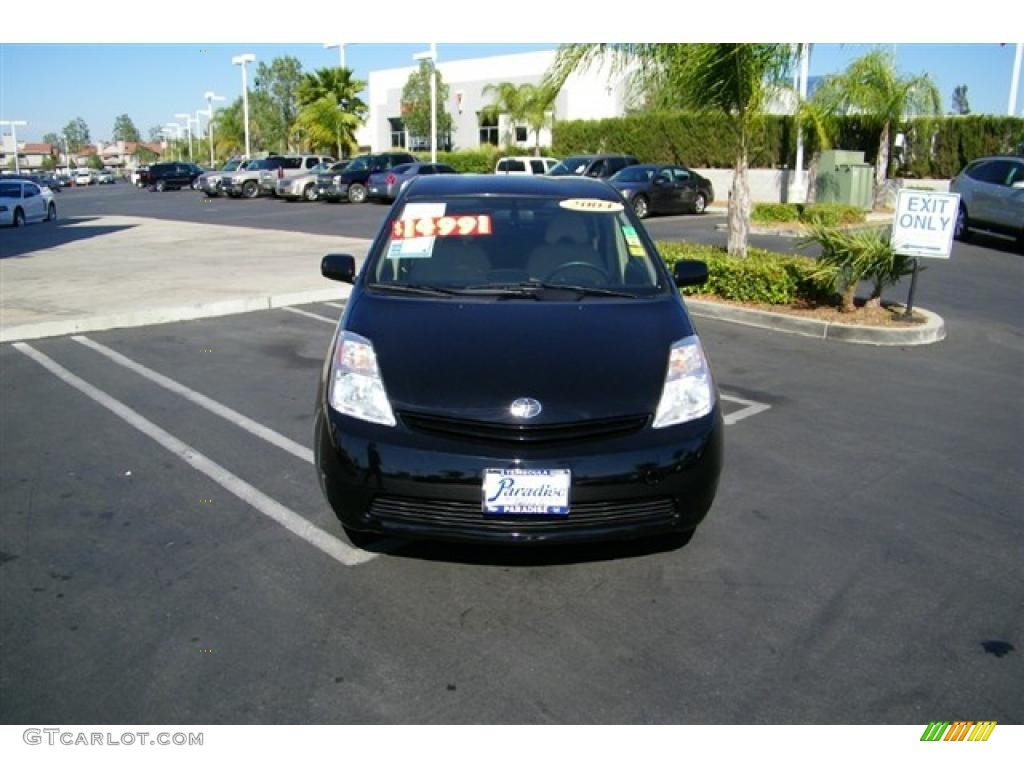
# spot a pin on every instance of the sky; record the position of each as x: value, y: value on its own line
x: 96, y: 70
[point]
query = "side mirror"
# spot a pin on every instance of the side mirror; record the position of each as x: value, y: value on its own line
x: 339, y: 266
x: 689, y: 272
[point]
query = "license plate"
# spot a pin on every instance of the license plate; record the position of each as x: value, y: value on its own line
x: 526, y: 491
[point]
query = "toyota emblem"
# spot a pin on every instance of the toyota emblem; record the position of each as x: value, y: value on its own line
x: 525, y: 408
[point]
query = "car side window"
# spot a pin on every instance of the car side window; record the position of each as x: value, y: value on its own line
x: 665, y: 174
x: 31, y: 190
x: 679, y: 175
x: 615, y: 164
x: 426, y: 170
x: 598, y: 169
x: 993, y: 172
x: 311, y: 161
x: 537, y: 166
x: 1016, y: 174
x: 292, y: 163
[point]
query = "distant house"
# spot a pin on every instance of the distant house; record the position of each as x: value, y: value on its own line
x: 124, y: 155
x: 30, y: 155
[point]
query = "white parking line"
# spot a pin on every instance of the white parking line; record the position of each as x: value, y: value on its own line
x: 752, y: 408
x: 292, y: 521
x: 304, y: 313
x: 236, y: 418
x: 332, y: 304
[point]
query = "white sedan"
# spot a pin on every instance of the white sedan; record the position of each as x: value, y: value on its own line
x: 25, y: 201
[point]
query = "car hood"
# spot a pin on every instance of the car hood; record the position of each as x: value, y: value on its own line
x: 581, y: 360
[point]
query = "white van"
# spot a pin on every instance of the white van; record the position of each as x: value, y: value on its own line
x: 525, y: 166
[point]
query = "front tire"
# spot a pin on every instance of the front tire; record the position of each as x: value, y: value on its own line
x: 161, y: 186
x: 250, y: 190
x: 641, y: 207
x: 51, y: 212
x: 19, y: 217
x: 700, y: 203
x: 310, y: 193
x: 357, y: 193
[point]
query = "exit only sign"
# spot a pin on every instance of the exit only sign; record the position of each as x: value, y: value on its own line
x: 924, y: 223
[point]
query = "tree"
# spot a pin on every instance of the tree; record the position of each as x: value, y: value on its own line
x: 960, y: 105
x: 871, y: 88
x: 416, y: 105
x: 77, y: 134
x: 732, y: 79
x: 124, y: 129
x: 277, y: 106
x: 330, y: 110
x: 525, y: 103
x: 95, y: 162
x: 228, y: 130
x: 145, y: 155
x: 156, y: 133
x: 49, y: 162
x: 52, y: 138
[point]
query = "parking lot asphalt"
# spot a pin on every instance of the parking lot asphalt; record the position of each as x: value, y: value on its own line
x: 161, y: 562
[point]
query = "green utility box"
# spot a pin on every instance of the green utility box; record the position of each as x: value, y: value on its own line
x: 844, y: 177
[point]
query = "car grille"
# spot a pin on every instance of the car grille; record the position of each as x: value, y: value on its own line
x: 524, y: 434
x: 459, y: 514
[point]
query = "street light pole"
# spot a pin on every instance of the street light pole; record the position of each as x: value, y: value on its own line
x: 14, y: 136
x: 177, y: 135
x: 242, y: 60
x: 211, y: 97
x: 341, y: 52
x: 799, y: 189
x: 188, y: 127
x: 1015, y: 79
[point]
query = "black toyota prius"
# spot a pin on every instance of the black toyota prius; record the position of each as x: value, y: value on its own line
x: 515, y: 365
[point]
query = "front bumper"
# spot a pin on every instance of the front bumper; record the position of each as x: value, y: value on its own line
x: 395, y: 481
x: 332, y: 192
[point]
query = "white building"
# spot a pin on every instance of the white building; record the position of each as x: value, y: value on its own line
x: 591, y: 95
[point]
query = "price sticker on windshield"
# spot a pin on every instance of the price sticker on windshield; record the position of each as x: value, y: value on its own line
x: 442, y: 226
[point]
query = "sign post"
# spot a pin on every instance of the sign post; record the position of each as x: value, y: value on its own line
x: 923, y: 228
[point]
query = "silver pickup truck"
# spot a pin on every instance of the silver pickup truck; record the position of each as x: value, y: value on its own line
x: 261, y: 177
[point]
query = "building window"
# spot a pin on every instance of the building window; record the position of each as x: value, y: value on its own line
x: 397, y: 132
x: 488, y: 129
x: 520, y: 133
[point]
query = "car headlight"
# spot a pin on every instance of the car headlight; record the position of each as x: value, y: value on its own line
x: 356, y: 387
x: 337, y: 179
x: 688, y: 392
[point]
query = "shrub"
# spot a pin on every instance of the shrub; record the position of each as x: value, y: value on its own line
x: 831, y: 214
x: 825, y: 214
x: 774, y: 213
x: 763, y: 276
x: 480, y: 160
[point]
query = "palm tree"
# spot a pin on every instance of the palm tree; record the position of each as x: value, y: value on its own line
x: 229, y: 131
x: 330, y: 109
x: 525, y: 103
x: 872, y: 88
x: 733, y: 79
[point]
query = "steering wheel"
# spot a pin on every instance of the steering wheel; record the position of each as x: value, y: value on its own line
x: 573, y: 265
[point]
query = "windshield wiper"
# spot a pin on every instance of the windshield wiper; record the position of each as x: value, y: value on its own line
x: 423, y: 290
x: 533, y: 288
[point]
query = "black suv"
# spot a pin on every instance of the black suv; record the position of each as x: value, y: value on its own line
x: 351, y: 182
x: 161, y: 176
x: 594, y: 166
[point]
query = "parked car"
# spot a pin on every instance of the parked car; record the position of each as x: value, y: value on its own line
x: 163, y: 176
x: 594, y: 166
x: 135, y: 177
x: 526, y: 165
x: 448, y: 406
x: 386, y: 185
x: 303, y: 186
x: 351, y: 184
x: 210, y: 181
x: 105, y: 177
x: 49, y: 180
x: 663, y: 189
x: 83, y: 177
x: 291, y: 166
x: 991, y: 193
x: 23, y: 201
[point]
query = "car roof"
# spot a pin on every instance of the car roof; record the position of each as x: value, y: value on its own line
x: 467, y: 184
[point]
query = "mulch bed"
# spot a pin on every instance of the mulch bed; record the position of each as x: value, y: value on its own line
x: 874, y: 316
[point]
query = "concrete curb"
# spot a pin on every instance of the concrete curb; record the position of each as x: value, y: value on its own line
x: 930, y: 332
x: 159, y: 315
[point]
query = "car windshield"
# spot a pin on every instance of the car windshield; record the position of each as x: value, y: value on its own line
x: 258, y: 165
x: 340, y: 166
x: 634, y: 173
x: 571, y: 166
x: 231, y: 166
x: 359, y: 164
x: 514, y: 246
x: 319, y: 167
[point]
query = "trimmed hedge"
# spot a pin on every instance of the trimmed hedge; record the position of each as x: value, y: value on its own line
x: 480, y: 160
x: 826, y: 214
x: 934, y: 148
x: 764, y: 276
